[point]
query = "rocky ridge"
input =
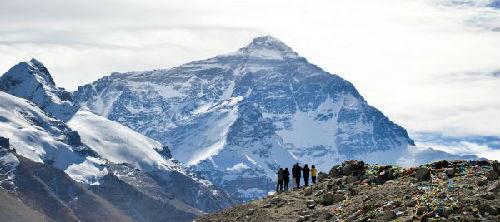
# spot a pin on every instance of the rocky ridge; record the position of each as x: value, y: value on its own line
x: 353, y: 191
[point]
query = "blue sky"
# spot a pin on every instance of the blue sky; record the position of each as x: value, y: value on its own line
x: 432, y: 66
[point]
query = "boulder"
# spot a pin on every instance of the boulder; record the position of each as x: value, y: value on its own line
x: 494, y: 186
x: 450, y: 172
x: 4, y: 142
x: 422, y: 173
x: 336, y: 171
x: 330, y: 198
x: 353, y: 167
x: 440, y: 164
x: 327, y: 199
x: 496, y: 166
x: 492, y: 175
x: 488, y: 196
x: 322, y: 176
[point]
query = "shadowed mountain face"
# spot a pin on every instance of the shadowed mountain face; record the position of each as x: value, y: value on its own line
x: 240, y: 116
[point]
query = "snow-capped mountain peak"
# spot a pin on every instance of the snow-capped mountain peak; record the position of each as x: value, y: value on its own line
x: 268, y: 47
x: 32, y: 81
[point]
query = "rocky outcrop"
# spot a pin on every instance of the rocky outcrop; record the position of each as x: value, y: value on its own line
x: 399, y: 194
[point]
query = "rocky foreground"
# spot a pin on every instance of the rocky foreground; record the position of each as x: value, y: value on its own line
x: 353, y: 191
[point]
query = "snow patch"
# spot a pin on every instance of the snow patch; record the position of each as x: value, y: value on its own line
x: 238, y: 167
x: 88, y: 172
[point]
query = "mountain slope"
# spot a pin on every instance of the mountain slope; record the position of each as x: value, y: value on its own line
x: 441, y: 191
x: 107, y: 153
x: 11, y: 209
x: 237, y: 117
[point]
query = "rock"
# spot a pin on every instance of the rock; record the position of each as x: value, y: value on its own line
x: 327, y: 199
x: 482, y: 182
x: 7, y: 185
x: 322, y: 176
x: 450, y: 172
x: 330, y: 198
x: 496, y: 166
x: 338, y: 197
x: 353, y: 167
x: 307, y: 191
x: 440, y: 164
x: 275, y: 200
x: 447, y: 211
x: 348, y: 169
x: 352, y: 179
x: 486, y: 208
x: 268, y: 205
x: 319, y: 193
x: 422, y: 173
x: 421, y: 210
x: 4, y: 142
x: 488, y: 196
x: 336, y: 171
x: 73, y: 138
x: 386, y: 215
x: 371, y: 179
x: 492, y: 175
x: 494, y: 187
x: 302, y: 218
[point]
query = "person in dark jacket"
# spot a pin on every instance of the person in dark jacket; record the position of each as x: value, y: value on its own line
x: 279, y: 186
x: 286, y: 178
x: 305, y: 172
x: 296, y: 174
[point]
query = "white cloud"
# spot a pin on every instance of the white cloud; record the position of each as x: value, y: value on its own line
x: 466, y: 148
x: 413, y: 59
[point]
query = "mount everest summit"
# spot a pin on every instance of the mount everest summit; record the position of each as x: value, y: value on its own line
x: 191, y: 139
x: 236, y: 118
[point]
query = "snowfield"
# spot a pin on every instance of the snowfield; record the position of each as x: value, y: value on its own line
x: 118, y: 143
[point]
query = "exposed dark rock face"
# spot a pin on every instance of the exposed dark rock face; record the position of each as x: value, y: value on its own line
x: 51, y: 192
x: 4, y: 142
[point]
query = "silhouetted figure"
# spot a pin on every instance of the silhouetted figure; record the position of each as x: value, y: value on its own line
x: 305, y: 172
x: 286, y: 178
x: 296, y: 174
x: 279, y: 186
x: 314, y: 173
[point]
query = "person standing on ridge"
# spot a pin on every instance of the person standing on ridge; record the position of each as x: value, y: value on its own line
x: 314, y: 173
x: 305, y: 172
x: 286, y: 178
x: 296, y: 174
x: 280, y: 180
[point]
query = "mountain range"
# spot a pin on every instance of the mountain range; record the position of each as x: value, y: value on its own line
x: 172, y: 144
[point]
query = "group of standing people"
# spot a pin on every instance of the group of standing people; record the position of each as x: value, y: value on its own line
x: 297, y: 172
